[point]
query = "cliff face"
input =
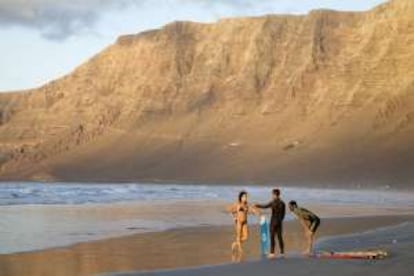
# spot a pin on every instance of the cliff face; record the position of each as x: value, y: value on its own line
x: 326, y: 98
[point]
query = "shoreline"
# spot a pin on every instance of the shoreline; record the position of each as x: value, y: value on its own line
x: 185, y: 183
x: 172, y: 249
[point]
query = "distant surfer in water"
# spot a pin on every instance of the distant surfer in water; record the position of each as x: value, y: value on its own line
x: 276, y: 221
x: 309, y: 221
x: 239, y: 212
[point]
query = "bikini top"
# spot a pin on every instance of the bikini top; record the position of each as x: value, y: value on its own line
x: 243, y: 209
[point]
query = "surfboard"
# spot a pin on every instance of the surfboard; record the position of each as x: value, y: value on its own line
x: 371, y: 254
x: 264, y: 237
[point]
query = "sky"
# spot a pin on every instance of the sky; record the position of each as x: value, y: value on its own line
x: 41, y: 40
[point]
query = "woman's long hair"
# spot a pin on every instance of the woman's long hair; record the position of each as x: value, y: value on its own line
x: 241, y: 194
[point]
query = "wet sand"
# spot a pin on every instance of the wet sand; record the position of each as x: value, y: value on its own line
x: 180, y: 248
x: 37, y: 227
x: 398, y: 241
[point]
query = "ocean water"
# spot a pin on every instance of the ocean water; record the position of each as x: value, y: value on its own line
x: 36, y: 216
x: 75, y: 194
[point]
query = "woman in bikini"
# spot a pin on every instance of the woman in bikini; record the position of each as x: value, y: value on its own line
x: 240, y: 211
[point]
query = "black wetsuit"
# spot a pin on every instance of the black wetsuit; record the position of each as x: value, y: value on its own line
x: 276, y: 223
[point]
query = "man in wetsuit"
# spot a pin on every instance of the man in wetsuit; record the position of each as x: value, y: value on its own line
x: 309, y: 221
x: 276, y: 221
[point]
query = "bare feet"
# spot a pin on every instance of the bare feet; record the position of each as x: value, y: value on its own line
x: 307, y: 253
x: 236, y: 252
x: 271, y: 256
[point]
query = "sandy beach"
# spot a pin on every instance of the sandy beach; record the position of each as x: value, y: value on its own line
x: 174, y: 249
x: 397, y: 240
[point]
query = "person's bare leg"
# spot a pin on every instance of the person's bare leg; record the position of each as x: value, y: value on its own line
x: 243, y: 237
x: 240, y: 257
x: 309, y: 250
x: 310, y: 243
x: 234, y: 251
x: 306, y: 240
x: 236, y: 244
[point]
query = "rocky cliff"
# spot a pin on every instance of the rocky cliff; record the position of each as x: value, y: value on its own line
x: 325, y: 98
